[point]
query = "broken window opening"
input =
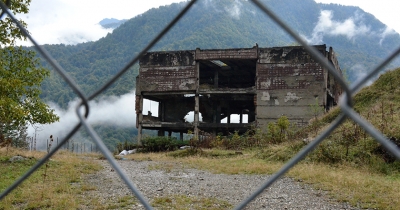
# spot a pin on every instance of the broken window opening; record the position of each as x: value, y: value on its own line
x: 235, y: 118
x: 150, y: 108
x: 190, y: 117
x: 229, y: 73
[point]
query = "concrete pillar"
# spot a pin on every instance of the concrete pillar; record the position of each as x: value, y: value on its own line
x: 214, y: 111
x: 216, y: 79
x: 229, y: 115
x: 139, y: 118
x: 139, y: 135
x: 196, y: 117
x: 252, y: 116
x: 197, y: 101
x: 218, y: 113
x: 181, y: 136
x: 161, y: 111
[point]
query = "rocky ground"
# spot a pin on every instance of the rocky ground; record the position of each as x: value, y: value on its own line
x: 165, y: 181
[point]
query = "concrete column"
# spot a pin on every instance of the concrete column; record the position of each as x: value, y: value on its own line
x: 229, y: 115
x: 197, y: 101
x: 218, y: 113
x: 216, y: 79
x: 252, y: 116
x: 139, y: 118
x: 161, y: 111
x: 139, y: 135
x: 214, y: 111
x: 196, y: 116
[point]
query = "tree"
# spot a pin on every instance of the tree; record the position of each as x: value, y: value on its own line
x: 315, y: 109
x: 20, y: 79
x: 9, y: 31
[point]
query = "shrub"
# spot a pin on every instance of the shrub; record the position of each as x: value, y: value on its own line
x: 161, y: 144
x: 126, y: 146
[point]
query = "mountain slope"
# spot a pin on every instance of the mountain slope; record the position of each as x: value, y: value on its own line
x: 221, y: 24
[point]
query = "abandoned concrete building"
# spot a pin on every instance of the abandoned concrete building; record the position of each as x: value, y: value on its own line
x: 229, y: 90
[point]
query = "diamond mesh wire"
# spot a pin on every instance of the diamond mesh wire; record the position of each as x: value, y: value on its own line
x: 345, y: 103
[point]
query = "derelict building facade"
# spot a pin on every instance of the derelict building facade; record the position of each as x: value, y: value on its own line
x: 229, y: 90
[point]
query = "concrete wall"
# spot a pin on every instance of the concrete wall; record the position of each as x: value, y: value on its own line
x: 167, y: 71
x: 288, y: 82
x: 240, y: 53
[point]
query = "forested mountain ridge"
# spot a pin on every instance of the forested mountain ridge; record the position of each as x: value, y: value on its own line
x: 217, y: 24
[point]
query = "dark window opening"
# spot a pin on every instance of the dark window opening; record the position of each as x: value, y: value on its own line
x: 235, y: 73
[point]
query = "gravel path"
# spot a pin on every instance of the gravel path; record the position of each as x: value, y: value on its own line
x: 167, y: 179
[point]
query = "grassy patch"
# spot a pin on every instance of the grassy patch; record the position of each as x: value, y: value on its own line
x: 204, y: 153
x: 354, y: 185
x: 190, y: 202
x: 123, y: 202
x: 58, y: 190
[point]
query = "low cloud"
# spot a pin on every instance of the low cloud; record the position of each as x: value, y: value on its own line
x: 234, y: 9
x: 359, y: 72
x: 111, y: 110
x: 326, y: 26
x: 386, y: 32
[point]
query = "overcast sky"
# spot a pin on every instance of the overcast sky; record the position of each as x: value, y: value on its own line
x: 75, y: 21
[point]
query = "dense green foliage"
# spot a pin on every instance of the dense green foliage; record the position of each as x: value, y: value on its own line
x: 114, y: 134
x: 161, y: 144
x: 20, y: 79
x: 20, y: 88
x: 9, y: 31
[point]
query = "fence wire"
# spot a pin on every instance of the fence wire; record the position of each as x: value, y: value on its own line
x: 345, y: 104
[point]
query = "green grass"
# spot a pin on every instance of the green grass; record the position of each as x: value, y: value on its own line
x: 58, y: 190
x: 190, y: 202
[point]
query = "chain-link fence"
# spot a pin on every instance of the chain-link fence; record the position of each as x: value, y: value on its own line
x: 345, y: 104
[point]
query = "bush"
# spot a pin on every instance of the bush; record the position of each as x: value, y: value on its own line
x: 161, y: 144
x: 126, y: 146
